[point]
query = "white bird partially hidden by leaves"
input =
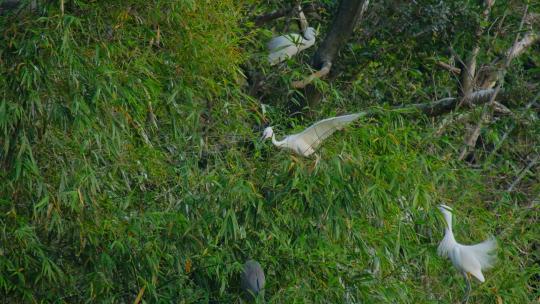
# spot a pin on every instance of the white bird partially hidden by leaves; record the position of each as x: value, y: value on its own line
x: 283, y: 47
x: 306, y: 142
x: 468, y: 259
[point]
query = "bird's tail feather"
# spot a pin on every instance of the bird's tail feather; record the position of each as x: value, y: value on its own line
x: 485, y: 252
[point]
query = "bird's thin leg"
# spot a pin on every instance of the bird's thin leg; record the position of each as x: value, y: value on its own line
x: 317, y: 159
x: 467, y: 290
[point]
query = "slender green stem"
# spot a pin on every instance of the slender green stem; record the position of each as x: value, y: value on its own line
x: 467, y: 290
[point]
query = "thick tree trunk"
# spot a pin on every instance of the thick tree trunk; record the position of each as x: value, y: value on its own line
x: 8, y: 5
x: 347, y: 16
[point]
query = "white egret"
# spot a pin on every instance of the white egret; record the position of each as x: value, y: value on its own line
x: 468, y: 259
x: 252, y: 279
x: 286, y: 46
x: 305, y: 142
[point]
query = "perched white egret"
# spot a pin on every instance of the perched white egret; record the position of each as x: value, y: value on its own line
x: 286, y: 46
x: 468, y: 259
x: 253, y: 280
x: 305, y: 142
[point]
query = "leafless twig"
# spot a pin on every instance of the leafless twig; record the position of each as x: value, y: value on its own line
x: 488, y: 108
x: 450, y: 68
x: 523, y: 173
x: 316, y: 75
x: 468, y: 71
x: 262, y: 19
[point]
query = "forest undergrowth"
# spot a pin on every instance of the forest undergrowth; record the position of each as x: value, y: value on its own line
x: 131, y: 167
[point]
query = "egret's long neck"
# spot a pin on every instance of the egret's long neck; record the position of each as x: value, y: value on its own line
x: 278, y: 143
x: 448, y: 229
x: 307, y: 42
x: 449, y: 241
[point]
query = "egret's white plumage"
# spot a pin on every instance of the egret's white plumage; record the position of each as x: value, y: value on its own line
x: 286, y: 46
x: 306, y: 142
x: 469, y: 259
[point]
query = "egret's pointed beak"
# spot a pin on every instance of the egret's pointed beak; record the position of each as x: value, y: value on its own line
x: 266, y: 134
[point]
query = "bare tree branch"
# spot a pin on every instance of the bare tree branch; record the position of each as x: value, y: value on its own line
x: 487, y: 110
x: 468, y: 71
x: 262, y: 19
x: 520, y: 46
x: 447, y: 104
x: 303, y: 21
x: 316, y: 75
x: 487, y: 76
x: 448, y: 67
x: 523, y: 173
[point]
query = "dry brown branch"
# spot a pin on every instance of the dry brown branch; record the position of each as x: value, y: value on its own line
x: 528, y: 40
x: 448, y: 67
x: 470, y: 143
x: 303, y: 21
x: 447, y: 104
x: 484, y: 94
x: 500, y: 108
x: 523, y: 173
x: 139, y: 295
x: 487, y: 76
x: 316, y: 75
x: 434, y: 108
x: 449, y: 120
x: 468, y: 71
x: 291, y: 14
x: 262, y: 19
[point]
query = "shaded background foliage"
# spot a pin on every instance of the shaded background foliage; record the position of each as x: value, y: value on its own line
x: 130, y: 160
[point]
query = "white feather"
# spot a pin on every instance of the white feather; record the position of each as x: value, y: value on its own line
x: 283, y: 47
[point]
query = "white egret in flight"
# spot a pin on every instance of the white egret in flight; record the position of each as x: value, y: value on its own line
x: 282, y: 47
x: 305, y: 142
x: 252, y: 279
x: 468, y: 259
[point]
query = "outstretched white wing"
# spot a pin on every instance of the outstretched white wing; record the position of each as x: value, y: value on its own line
x: 314, y: 135
x: 484, y: 252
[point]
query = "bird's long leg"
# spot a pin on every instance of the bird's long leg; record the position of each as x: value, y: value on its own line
x: 468, y: 289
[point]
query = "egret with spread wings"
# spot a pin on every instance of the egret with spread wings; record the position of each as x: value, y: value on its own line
x: 306, y: 142
x: 468, y: 259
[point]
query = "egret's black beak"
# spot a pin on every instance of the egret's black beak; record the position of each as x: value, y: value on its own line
x: 264, y: 137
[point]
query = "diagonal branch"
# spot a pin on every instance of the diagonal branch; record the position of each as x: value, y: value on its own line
x: 316, y: 75
x: 468, y: 70
x: 523, y: 173
x: 262, y: 19
x: 487, y: 110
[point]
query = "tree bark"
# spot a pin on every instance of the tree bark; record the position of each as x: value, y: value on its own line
x: 347, y: 16
x: 8, y: 5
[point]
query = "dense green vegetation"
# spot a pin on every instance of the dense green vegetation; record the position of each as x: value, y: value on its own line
x: 130, y: 160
